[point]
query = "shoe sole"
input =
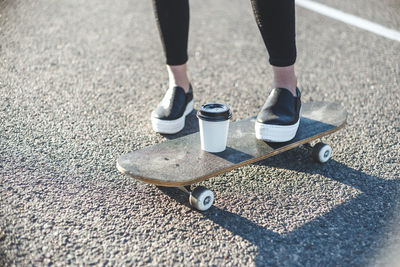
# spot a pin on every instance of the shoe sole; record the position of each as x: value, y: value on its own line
x: 171, y: 126
x: 276, y: 133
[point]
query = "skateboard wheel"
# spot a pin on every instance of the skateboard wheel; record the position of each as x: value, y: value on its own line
x: 201, y: 198
x: 321, y: 152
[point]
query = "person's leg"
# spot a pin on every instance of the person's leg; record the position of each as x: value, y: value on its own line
x: 178, y: 76
x: 276, y: 22
x: 172, y: 18
x: 285, y: 77
x: 279, y: 118
x: 173, y: 23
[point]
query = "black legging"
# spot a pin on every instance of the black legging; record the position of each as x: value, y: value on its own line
x: 275, y: 20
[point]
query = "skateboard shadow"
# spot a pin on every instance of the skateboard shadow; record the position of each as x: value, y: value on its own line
x: 335, y: 235
x: 191, y: 126
x: 340, y: 231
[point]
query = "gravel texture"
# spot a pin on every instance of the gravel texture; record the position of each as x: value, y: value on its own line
x: 78, y: 81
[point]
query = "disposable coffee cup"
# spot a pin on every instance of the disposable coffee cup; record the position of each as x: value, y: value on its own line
x: 214, y: 125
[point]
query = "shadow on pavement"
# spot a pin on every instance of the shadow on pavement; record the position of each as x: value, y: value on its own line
x: 4, y: 261
x: 341, y: 234
x: 191, y: 126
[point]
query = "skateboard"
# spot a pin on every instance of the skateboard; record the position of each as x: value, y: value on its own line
x: 181, y: 162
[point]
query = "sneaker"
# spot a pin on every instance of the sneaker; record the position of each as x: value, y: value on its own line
x: 279, y: 118
x: 169, y: 116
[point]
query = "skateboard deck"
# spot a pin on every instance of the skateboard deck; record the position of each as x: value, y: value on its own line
x: 181, y: 162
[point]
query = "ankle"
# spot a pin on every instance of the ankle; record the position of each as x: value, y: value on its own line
x: 289, y: 85
x: 184, y: 85
x: 178, y: 77
x: 284, y: 77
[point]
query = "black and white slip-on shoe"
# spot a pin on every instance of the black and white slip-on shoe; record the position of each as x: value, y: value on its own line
x: 279, y: 118
x: 169, y: 116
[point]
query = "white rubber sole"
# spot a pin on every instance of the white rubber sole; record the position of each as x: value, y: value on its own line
x: 276, y: 133
x: 171, y: 126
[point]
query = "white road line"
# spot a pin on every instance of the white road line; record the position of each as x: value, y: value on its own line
x: 350, y: 19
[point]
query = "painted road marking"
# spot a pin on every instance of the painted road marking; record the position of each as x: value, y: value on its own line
x: 350, y: 19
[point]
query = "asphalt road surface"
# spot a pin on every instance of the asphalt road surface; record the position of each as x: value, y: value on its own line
x: 78, y: 81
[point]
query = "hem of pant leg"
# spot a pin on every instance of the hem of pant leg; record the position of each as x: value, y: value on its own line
x: 173, y: 62
x: 282, y: 63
